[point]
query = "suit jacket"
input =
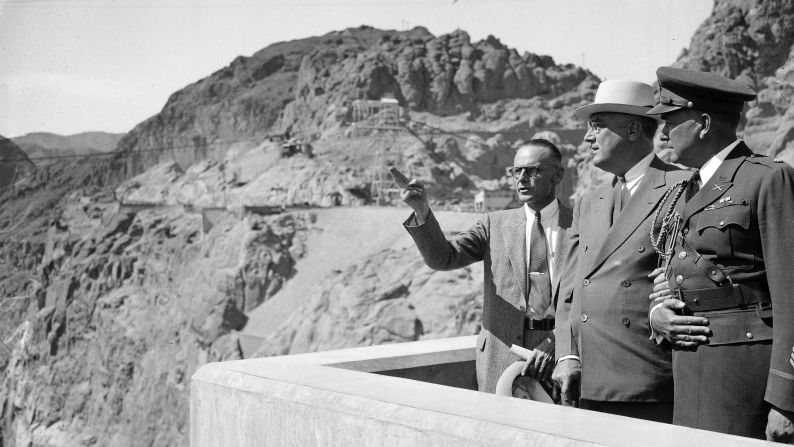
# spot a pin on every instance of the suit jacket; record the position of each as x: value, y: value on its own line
x: 742, y: 221
x: 604, y: 318
x: 499, y: 240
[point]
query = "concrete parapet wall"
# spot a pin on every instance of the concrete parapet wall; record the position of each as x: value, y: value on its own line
x: 333, y: 398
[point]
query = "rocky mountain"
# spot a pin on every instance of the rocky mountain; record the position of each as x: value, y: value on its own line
x: 307, y: 88
x: 85, y: 142
x: 113, y: 312
x: 120, y: 275
x: 14, y: 163
x: 753, y: 42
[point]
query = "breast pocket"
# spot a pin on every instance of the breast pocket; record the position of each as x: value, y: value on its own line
x: 730, y: 232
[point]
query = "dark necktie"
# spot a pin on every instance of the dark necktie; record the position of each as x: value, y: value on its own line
x: 538, y: 269
x: 692, y: 186
x: 622, y: 197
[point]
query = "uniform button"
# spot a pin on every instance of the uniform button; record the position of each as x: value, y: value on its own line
x: 584, y: 318
x: 722, y: 222
x: 522, y: 308
x: 749, y: 335
x: 685, y: 231
x: 682, y: 255
x: 586, y: 282
x: 679, y: 279
x: 626, y: 322
x: 641, y: 248
x: 626, y: 283
x: 713, y: 273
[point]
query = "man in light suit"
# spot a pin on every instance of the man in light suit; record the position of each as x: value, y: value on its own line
x: 521, y: 251
x: 603, y: 351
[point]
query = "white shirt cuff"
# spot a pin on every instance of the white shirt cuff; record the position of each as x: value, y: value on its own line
x: 656, y: 337
x: 569, y: 357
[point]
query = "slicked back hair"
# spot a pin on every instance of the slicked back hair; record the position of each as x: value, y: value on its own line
x: 544, y: 143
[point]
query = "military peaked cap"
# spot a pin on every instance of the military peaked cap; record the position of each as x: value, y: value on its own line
x: 699, y: 90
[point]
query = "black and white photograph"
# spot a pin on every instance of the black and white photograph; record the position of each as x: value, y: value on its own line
x: 396, y: 223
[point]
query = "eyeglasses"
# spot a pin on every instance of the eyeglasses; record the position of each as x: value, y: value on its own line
x: 595, y: 127
x: 518, y: 172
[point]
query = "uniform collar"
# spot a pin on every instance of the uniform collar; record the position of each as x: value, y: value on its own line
x: 711, y: 166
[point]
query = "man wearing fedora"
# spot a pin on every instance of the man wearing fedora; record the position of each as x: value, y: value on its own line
x: 603, y: 351
x: 727, y: 305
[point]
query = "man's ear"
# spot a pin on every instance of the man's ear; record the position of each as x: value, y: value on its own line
x: 705, y: 122
x: 558, y: 176
x: 633, y: 130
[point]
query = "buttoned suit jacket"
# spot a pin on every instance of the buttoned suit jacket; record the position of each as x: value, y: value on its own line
x: 603, y: 318
x: 742, y: 221
x: 499, y: 240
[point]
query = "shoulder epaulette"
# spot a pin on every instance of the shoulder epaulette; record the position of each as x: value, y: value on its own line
x: 760, y: 159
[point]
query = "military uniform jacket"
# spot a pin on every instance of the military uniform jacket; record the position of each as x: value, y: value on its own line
x: 742, y: 221
x: 607, y: 311
x: 499, y: 240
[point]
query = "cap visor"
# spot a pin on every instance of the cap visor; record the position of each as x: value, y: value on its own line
x: 662, y: 108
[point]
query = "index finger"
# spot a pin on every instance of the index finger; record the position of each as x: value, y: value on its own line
x: 656, y: 272
x: 401, y: 180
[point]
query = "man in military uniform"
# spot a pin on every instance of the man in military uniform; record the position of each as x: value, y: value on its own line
x: 729, y: 309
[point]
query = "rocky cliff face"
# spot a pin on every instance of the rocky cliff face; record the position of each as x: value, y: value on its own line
x: 445, y: 75
x: 307, y: 87
x: 43, y: 146
x: 114, y: 310
x: 753, y: 42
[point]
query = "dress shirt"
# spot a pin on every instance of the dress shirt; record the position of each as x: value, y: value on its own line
x: 711, y: 166
x: 549, y: 219
x: 637, y: 172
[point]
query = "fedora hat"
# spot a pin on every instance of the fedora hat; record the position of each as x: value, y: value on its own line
x: 630, y: 97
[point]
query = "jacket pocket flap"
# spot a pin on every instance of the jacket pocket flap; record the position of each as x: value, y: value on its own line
x: 721, y: 218
x: 739, y: 326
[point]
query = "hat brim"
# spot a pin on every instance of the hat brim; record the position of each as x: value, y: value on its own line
x: 584, y: 112
x: 658, y: 109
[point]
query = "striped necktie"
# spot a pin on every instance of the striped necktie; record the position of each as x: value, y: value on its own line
x: 538, y: 270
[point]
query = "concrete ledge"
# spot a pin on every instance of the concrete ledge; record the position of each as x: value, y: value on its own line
x: 333, y: 398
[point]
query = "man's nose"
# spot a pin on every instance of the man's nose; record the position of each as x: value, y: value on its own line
x: 589, y: 136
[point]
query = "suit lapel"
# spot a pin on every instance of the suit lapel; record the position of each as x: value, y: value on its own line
x: 641, y: 205
x: 719, y: 183
x: 602, y: 215
x: 515, y: 241
x: 564, y: 219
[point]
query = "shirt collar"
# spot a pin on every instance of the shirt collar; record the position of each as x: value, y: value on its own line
x: 638, y: 171
x: 546, y: 213
x: 711, y: 166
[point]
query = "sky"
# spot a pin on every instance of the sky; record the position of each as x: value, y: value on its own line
x: 71, y: 66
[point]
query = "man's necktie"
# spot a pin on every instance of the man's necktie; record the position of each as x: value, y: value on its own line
x: 538, y: 269
x: 622, y: 197
x: 692, y: 186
